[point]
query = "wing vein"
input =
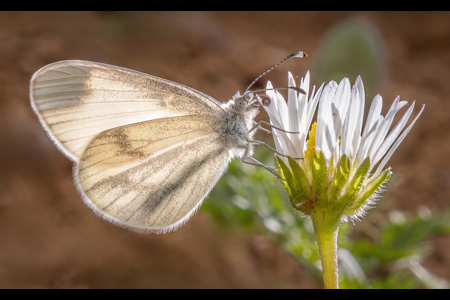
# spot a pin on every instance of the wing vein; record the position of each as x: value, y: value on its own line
x: 101, y: 116
x: 187, y: 174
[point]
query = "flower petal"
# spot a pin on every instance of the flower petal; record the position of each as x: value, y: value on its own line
x: 278, y: 106
x: 312, y: 105
x: 397, y: 143
x: 370, y: 128
x: 349, y: 127
x: 303, y: 112
x: 385, y: 125
x: 342, y: 102
x: 271, y: 109
x: 393, y: 135
x: 295, y: 108
x: 325, y: 126
x: 357, y: 137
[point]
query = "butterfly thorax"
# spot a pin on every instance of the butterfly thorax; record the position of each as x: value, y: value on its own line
x: 236, y: 121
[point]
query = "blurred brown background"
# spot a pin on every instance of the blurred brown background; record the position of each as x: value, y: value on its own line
x: 50, y: 239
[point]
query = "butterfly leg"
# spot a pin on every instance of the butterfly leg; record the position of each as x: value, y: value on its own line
x: 272, y: 149
x: 255, y: 162
x: 258, y: 126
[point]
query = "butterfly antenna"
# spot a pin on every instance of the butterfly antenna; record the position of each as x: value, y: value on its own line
x: 300, y: 90
x: 295, y: 54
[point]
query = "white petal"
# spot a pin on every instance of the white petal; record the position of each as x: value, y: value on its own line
x: 278, y: 114
x: 357, y: 137
x: 396, y: 144
x: 278, y: 107
x: 325, y: 126
x: 384, y: 127
x: 392, y: 135
x: 271, y: 109
x: 285, y: 144
x: 305, y: 84
x: 360, y: 85
x: 292, y: 102
x: 339, y: 109
x: 370, y: 128
x: 294, y: 111
x: 374, y: 114
x: 282, y: 109
x: 280, y: 143
x: 303, y: 112
x: 349, y: 127
x: 341, y: 101
x: 312, y: 105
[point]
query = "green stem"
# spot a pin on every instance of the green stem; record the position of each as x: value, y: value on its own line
x: 326, y: 228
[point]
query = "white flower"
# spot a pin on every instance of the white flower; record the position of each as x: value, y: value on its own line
x: 339, y: 134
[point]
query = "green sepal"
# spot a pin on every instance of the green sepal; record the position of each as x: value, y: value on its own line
x: 301, y: 179
x: 340, y: 179
x: 368, y: 193
x: 354, y: 186
x: 319, y: 178
x: 295, y: 196
x: 278, y: 168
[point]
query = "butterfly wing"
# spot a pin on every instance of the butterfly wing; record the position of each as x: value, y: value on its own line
x: 152, y: 175
x: 76, y: 100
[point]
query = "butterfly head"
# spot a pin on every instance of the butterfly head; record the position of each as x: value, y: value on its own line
x: 244, y: 104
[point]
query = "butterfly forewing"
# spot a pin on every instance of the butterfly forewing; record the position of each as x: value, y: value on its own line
x: 153, y: 175
x: 76, y: 100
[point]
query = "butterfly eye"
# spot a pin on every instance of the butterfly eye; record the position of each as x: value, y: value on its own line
x: 266, y: 101
x: 241, y: 104
x: 248, y: 97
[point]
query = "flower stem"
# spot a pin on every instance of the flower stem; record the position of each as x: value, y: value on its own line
x: 326, y: 228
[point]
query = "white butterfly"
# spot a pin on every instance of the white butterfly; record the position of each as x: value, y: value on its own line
x: 146, y: 151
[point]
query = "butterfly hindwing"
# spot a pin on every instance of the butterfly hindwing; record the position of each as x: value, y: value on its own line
x: 152, y: 175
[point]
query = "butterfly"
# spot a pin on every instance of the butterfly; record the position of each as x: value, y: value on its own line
x: 146, y: 151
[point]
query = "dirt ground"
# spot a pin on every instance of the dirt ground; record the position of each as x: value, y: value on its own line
x: 50, y: 239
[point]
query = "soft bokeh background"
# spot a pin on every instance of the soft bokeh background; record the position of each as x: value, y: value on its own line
x: 50, y: 239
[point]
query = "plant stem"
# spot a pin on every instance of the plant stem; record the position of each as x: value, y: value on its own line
x: 326, y: 228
